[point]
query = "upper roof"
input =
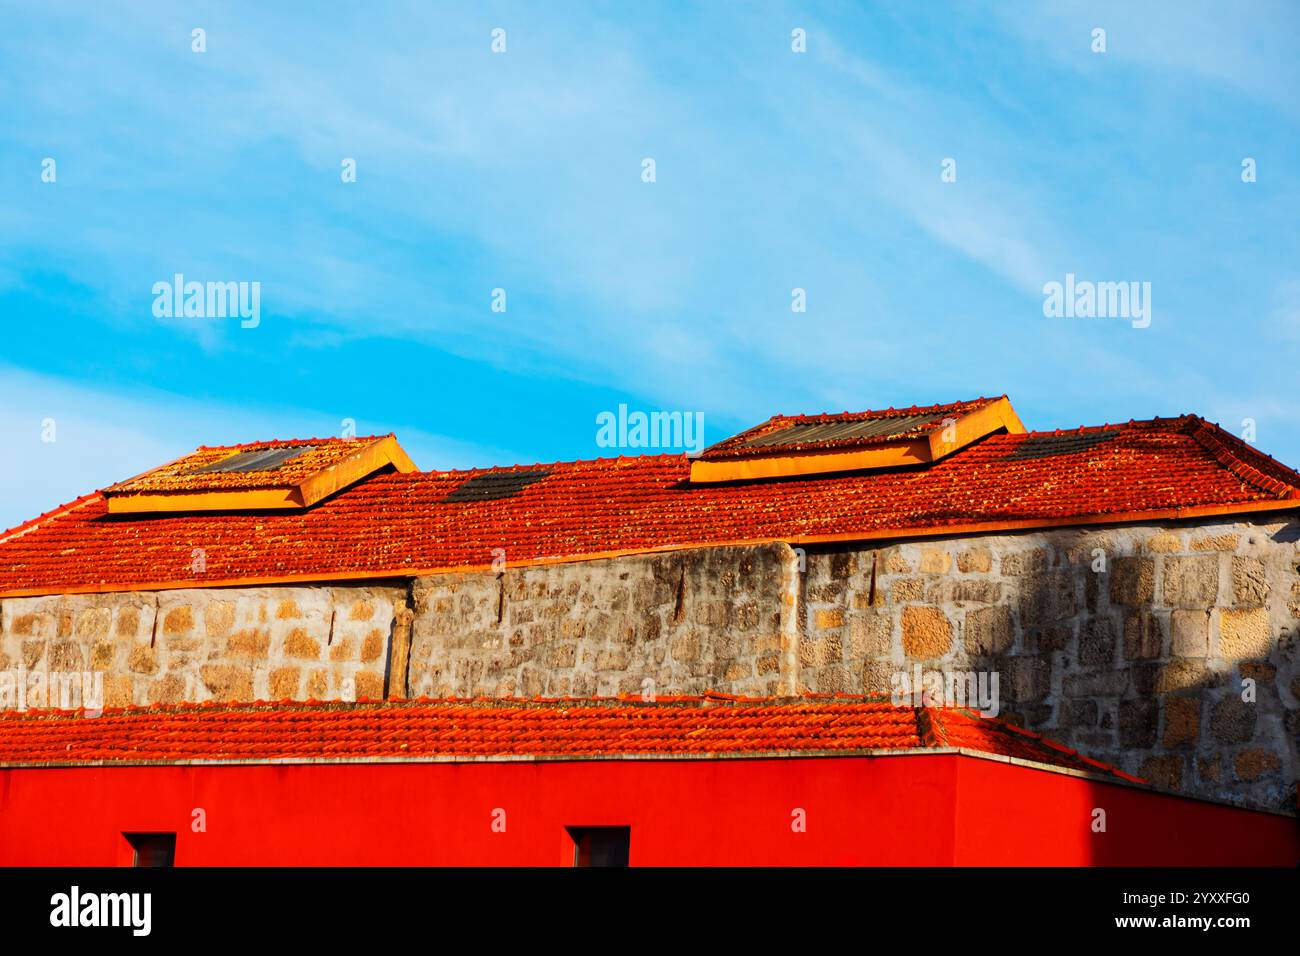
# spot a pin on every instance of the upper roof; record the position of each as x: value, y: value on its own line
x: 393, y: 523
x: 477, y: 729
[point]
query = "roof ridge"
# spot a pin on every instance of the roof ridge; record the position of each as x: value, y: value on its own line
x: 1218, y: 442
x: 1172, y: 424
x: 890, y: 412
x: 1063, y: 432
x: 290, y: 442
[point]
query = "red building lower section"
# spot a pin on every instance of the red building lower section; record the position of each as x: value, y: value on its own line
x: 894, y: 810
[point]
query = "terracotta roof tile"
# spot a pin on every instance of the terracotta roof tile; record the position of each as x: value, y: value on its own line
x: 681, y: 726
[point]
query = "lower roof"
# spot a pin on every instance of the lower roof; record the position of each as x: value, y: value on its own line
x: 715, y: 726
x: 394, y: 524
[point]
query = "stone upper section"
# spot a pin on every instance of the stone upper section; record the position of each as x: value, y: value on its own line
x: 395, y: 523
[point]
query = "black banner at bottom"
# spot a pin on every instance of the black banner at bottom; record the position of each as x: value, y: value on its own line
x: 730, y: 905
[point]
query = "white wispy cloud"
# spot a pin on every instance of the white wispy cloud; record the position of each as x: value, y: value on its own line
x: 1249, y: 48
x: 522, y: 171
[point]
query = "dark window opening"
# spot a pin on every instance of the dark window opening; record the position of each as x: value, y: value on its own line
x: 493, y: 486
x: 1049, y: 446
x: 152, y: 849
x: 800, y: 432
x: 266, y: 459
x: 600, y: 846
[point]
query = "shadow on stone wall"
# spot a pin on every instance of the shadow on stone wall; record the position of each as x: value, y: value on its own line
x: 1167, y: 651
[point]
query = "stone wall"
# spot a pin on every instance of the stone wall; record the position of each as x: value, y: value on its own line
x: 682, y: 622
x: 1133, y: 645
x: 206, y: 644
x: 1170, y: 651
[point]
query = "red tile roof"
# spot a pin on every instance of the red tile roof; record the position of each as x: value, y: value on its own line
x: 395, y: 524
x: 678, y: 726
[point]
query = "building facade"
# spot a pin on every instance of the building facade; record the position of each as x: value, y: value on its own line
x: 1134, y: 590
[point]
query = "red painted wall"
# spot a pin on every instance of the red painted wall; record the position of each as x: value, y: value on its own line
x: 889, y: 811
x: 1056, y: 812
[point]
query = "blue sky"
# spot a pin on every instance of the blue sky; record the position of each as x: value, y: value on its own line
x: 522, y: 171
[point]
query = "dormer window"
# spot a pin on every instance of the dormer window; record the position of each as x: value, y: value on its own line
x: 788, y: 446
x: 284, y: 475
